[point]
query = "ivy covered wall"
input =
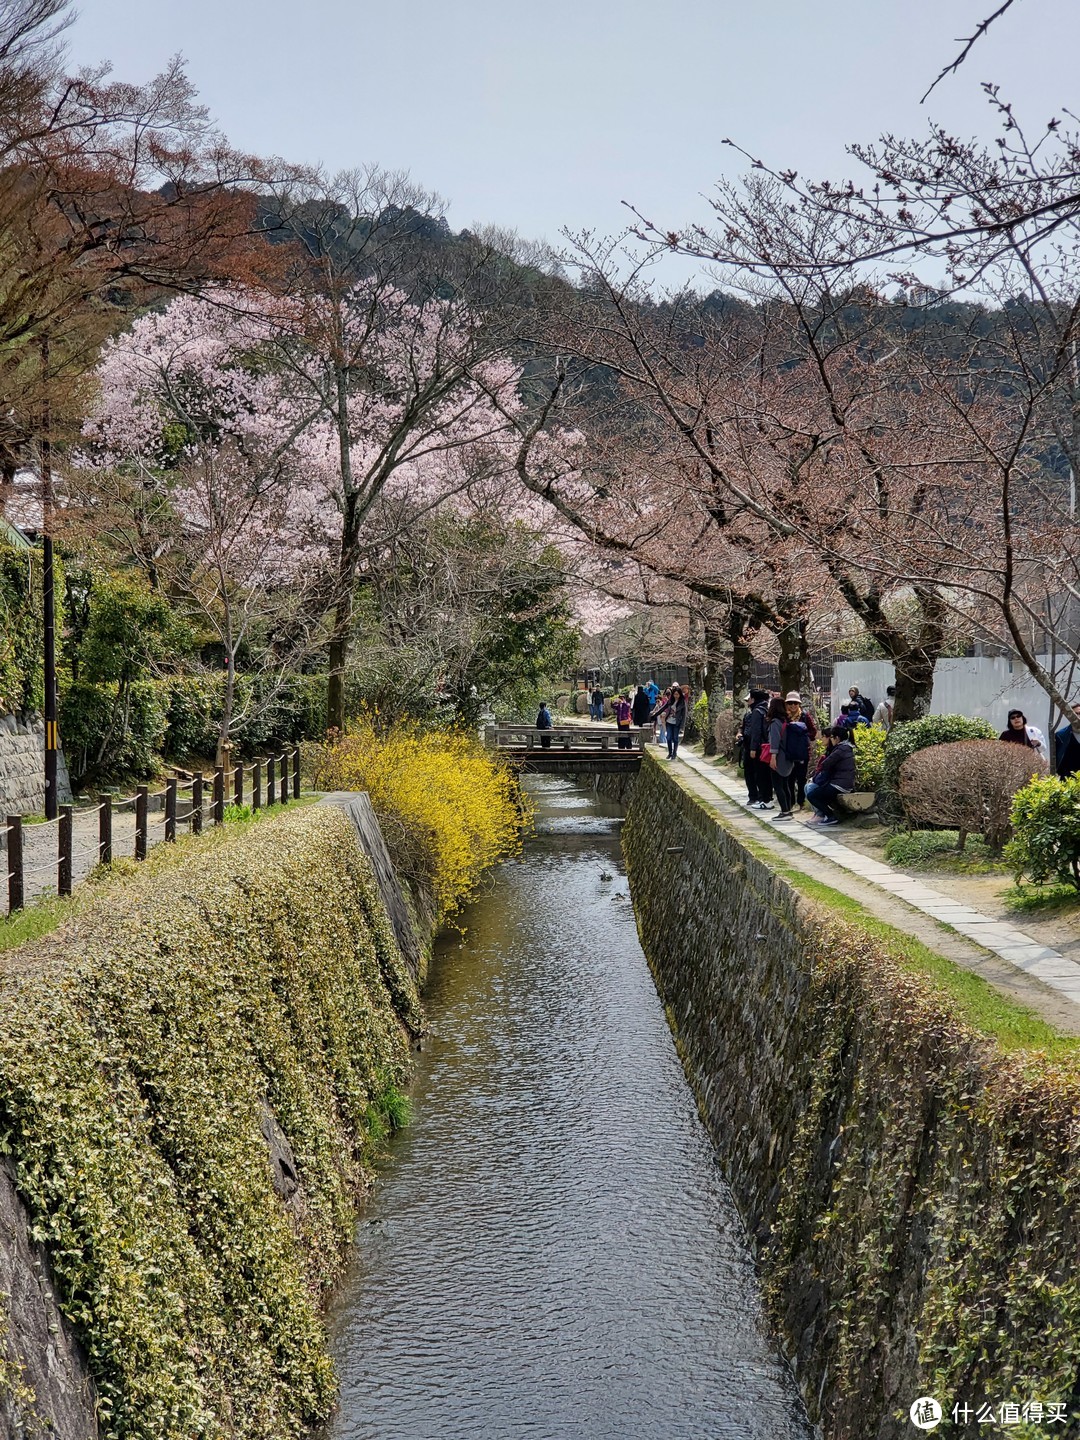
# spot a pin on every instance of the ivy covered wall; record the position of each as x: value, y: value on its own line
x: 913, y: 1192
x: 192, y: 1072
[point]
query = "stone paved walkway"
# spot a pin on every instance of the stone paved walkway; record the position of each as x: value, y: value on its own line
x: 1052, y: 970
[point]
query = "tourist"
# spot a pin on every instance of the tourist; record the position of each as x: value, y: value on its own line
x: 742, y: 752
x: 1018, y: 732
x: 596, y: 704
x: 641, y: 708
x: 1067, y: 748
x: 544, y: 723
x: 659, y: 713
x: 623, y: 715
x: 884, y: 712
x: 852, y: 716
x: 800, y: 733
x: 755, y: 739
x: 675, y: 719
x: 834, y: 776
x: 780, y: 762
x: 866, y: 706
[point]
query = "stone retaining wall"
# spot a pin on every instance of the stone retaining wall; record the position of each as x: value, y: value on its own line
x: 22, y: 766
x: 912, y: 1193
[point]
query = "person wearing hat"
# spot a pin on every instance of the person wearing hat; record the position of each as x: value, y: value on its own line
x: 759, y: 781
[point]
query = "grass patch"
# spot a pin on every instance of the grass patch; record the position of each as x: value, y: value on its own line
x: 936, y: 850
x: 1042, y: 899
x: 1012, y: 1025
x: 42, y: 916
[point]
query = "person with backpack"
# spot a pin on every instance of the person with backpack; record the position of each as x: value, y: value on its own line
x: 799, y: 734
x: 759, y: 776
x: 780, y: 762
x: 544, y: 723
x: 884, y: 712
x: 596, y: 704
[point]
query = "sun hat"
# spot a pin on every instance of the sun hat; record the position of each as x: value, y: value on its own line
x: 792, y: 695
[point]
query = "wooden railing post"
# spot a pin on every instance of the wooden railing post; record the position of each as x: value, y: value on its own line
x: 256, y: 784
x: 238, y: 786
x: 104, y: 844
x: 65, y: 839
x: 15, y: 862
x: 170, y: 809
x: 196, y: 804
x: 270, y: 795
x: 284, y: 778
x: 140, y: 822
x: 219, y: 795
x: 296, y: 772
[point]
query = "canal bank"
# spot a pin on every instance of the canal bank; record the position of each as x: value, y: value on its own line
x: 911, y: 1185
x: 551, y: 1250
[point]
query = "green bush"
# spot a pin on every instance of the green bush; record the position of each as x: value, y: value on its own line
x: 21, y: 630
x: 267, y: 720
x: 698, y: 724
x: 189, y: 1013
x: 904, y: 739
x: 869, y: 743
x: 1046, y: 831
x: 111, y: 730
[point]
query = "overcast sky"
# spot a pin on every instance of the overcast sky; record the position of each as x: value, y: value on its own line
x: 543, y: 116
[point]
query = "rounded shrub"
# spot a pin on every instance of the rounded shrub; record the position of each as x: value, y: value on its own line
x: 904, y: 739
x: 869, y: 742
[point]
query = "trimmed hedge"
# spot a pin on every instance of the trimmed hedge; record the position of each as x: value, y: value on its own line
x: 142, y: 1048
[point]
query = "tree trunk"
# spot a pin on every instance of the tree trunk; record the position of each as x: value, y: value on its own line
x: 914, y: 685
x: 794, y: 656
x: 712, y: 682
x: 742, y: 660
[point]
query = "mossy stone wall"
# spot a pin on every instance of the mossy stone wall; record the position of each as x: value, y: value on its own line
x: 913, y: 1194
x: 192, y: 1073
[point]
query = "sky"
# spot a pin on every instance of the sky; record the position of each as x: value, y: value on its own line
x: 548, y: 117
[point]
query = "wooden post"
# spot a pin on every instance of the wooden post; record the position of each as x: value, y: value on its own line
x: 140, y: 822
x: 170, y: 809
x: 15, y: 862
x: 104, y: 844
x: 219, y: 795
x: 270, y: 795
x: 63, y: 859
x: 196, y: 805
x: 284, y: 779
x: 296, y: 772
x: 256, y: 784
x: 238, y: 785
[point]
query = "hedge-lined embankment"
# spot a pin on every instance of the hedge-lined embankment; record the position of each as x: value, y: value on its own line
x: 190, y: 1075
x: 913, y: 1191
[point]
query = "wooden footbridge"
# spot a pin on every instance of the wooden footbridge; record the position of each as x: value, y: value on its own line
x: 570, y: 749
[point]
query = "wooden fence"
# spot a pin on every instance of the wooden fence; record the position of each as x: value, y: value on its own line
x: 186, y: 800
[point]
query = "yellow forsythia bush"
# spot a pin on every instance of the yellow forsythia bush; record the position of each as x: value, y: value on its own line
x: 448, y: 807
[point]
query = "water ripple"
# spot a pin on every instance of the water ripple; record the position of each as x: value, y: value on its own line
x: 551, y: 1251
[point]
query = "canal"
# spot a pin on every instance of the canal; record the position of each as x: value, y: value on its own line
x: 551, y: 1251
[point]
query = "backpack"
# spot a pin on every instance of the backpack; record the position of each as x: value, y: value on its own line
x: 795, y: 741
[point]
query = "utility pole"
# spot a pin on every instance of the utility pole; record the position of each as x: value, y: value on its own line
x: 49, y: 588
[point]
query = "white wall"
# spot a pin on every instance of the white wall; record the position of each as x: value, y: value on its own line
x: 984, y: 688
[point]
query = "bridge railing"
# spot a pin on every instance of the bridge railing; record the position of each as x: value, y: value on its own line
x: 510, y: 736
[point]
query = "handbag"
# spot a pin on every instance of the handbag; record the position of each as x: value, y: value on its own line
x: 765, y: 753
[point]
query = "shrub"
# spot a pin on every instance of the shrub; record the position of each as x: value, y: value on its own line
x: 21, y: 630
x: 869, y: 743
x: 697, y: 725
x: 725, y: 728
x: 1046, y: 831
x: 912, y: 735
x: 111, y: 729
x: 966, y: 786
x: 448, y: 807
x: 146, y: 1058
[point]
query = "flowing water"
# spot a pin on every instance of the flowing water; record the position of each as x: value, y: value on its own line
x: 551, y: 1251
